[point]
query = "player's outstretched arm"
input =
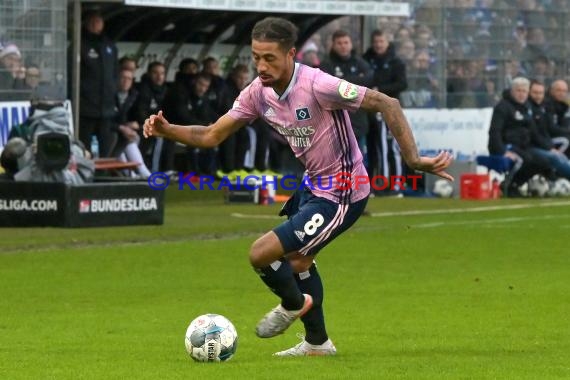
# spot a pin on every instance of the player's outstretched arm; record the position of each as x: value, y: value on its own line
x: 199, y: 136
x: 393, y: 114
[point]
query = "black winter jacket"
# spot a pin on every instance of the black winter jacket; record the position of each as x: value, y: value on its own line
x: 99, y: 76
x: 560, y: 114
x: 389, y: 71
x: 512, y: 124
x: 150, y: 100
x: 126, y: 111
x: 355, y: 70
x: 542, y: 121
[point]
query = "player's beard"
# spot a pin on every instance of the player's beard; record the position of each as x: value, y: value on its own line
x: 266, y: 80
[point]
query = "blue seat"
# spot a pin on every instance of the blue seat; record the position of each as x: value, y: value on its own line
x: 502, y: 165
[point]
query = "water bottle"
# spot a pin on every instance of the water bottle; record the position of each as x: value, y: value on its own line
x: 94, y: 147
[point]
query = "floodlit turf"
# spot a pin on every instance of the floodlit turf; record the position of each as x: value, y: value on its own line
x: 435, y: 295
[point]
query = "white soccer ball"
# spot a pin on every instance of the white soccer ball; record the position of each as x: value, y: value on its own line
x: 211, y: 338
x: 538, y: 186
x: 442, y: 188
x: 560, y: 188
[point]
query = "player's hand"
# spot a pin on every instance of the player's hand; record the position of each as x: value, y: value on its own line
x: 155, y: 125
x: 436, y: 165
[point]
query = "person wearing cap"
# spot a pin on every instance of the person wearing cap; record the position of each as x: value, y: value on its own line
x: 10, y: 58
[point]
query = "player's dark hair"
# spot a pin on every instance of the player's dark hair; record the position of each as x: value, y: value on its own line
x: 238, y: 69
x: 203, y: 76
x: 275, y: 29
x: 377, y: 33
x: 339, y: 34
x: 187, y: 62
x: 154, y: 64
x: 206, y: 61
x: 127, y: 58
x: 537, y: 82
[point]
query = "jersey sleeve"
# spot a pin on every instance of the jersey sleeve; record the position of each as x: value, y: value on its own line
x: 243, y: 108
x: 335, y: 93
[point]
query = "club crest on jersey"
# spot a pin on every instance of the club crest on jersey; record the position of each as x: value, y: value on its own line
x: 302, y: 113
x: 347, y: 90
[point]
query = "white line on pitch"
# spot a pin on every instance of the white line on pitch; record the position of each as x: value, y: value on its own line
x: 470, y: 209
x: 429, y: 212
x: 489, y: 221
x: 255, y: 216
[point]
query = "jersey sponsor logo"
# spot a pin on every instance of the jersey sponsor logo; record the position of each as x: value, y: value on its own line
x: 347, y: 90
x: 117, y: 205
x: 302, y: 114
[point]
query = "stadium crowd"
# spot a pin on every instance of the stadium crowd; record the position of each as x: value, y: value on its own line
x: 403, y: 61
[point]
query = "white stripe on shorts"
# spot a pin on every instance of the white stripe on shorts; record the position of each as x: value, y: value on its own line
x: 325, y: 233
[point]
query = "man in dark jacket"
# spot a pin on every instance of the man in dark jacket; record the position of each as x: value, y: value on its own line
x: 127, y: 147
x: 152, y: 91
x: 557, y: 106
x: 389, y: 78
x: 512, y: 133
x: 543, y: 144
x: 98, y: 85
x: 176, y: 97
x: 194, y: 108
x: 343, y: 63
x: 215, y: 95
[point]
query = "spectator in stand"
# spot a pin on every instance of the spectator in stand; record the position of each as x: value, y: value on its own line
x: 406, y: 51
x: 10, y: 71
x: 423, y: 85
x: 513, y: 69
x: 536, y: 46
x: 402, y: 34
x: 98, y: 85
x: 127, y: 147
x: 512, y: 132
x: 390, y: 78
x: 309, y: 55
x: 152, y: 91
x: 541, y: 70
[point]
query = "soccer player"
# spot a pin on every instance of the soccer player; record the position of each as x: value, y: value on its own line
x: 309, y: 108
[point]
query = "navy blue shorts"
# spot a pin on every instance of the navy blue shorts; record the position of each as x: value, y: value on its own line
x: 314, y: 221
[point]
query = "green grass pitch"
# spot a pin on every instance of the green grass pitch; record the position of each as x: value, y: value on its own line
x: 422, y: 289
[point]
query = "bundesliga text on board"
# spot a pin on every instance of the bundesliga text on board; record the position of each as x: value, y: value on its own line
x: 341, y: 181
x: 117, y: 205
x: 34, y: 205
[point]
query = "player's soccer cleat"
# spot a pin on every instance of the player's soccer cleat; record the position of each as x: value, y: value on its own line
x: 307, y: 349
x: 279, y: 319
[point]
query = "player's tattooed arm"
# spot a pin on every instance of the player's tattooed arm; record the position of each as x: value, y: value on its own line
x: 193, y: 135
x: 392, y: 113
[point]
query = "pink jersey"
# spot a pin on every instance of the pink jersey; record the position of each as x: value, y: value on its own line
x: 311, y: 114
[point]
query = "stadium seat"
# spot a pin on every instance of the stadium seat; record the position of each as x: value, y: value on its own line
x: 502, y: 165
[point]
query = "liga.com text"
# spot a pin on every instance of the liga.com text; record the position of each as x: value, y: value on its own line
x: 341, y: 181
